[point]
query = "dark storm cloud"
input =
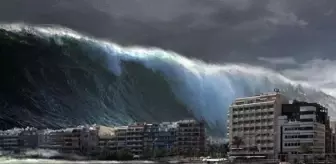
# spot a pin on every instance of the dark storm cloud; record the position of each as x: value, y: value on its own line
x: 215, y: 30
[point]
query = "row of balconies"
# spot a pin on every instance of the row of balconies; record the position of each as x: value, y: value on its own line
x: 263, y: 125
x: 251, y: 117
x: 253, y: 129
x: 255, y: 135
x: 255, y: 100
x: 250, y: 120
x: 268, y: 111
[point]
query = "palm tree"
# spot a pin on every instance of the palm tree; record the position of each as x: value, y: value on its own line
x: 237, y: 141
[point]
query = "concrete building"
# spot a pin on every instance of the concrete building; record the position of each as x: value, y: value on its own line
x: 111, y: 139
x: 28, y: 138
x: 50, y: 139
x: 191, y: 138
x: 310, y: 112
x: 9, y: 140
x: 298, y: 137
x: 71, y: 142
x: 89, y: 140
x: 135, y: 138
x: 167, y: 137
x: 253, y: 121
x: 161, y: 137
x: 150, y: 137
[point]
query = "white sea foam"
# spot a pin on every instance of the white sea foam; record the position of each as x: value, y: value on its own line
x: 207, y: 89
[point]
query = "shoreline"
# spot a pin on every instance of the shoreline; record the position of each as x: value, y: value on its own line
x: 87, y: 160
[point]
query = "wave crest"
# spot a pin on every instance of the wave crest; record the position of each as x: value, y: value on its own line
x: 206, y: 90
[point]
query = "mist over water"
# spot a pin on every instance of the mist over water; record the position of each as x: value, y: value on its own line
x: 62, y: 78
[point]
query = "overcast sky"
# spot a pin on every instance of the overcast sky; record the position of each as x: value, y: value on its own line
x: 212, y: 30
x: 295, y: 37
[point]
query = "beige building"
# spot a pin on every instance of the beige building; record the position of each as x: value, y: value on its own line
x: 253, y: 120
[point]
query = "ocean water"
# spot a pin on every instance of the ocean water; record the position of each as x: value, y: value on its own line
x: 54, y: 77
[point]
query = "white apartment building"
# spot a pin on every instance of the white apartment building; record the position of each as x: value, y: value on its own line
x: 294, y: 135
x: 254, y: 121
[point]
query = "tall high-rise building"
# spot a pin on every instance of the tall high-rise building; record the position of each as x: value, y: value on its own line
x: 252, y: 124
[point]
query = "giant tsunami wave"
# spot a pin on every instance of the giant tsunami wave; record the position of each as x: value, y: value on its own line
x: 55, y: 77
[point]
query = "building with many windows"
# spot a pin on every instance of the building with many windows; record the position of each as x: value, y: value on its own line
x: 298, y: 137
x: 191, y: 137
x: 161, y: 137
x: 253, y: 121
x: 71, y: 140
x: 28, y: 138
x: 9, y: 140
x: 304, y: 129
x: 186, y: 137
x: 111, y: 139
x: 50, y: 139
x: 135, y: 138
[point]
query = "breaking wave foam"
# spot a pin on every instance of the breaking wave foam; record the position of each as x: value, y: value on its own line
x: 206, y: 89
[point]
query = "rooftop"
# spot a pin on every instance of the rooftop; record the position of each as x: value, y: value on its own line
x: 259, y: 95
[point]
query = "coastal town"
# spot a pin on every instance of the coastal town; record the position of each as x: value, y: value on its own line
x: 139, y: 140
x: 265, y: 128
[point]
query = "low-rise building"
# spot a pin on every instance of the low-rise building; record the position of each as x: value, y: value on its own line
x: 300, y: 138
x: 71, y: 142
x: 135, y: 138
x: 107, y: 140
x: 95, y: 140
x: 51, y: 139
x: 89, y: 140
x: 191, y: 138
x: 150, y: 136
x: 161, y: 137
x: 9, y: 140
x: 304, y: 129
x: 28, y: 138
x: 167, y: 137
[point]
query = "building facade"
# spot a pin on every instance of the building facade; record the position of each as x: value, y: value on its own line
x: 186, y: 137
x: 28, y: 138
x: 310, y: 112
x: 50, y: 139
x: 71, y: 140
x: 191, y: 138
x: 135, y: 138
x: 9, y: 140
x: 89, y: 140
x: 111, y: 139
x: 253, y: 121
x: 300, y: 138
x: 161, y: 137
